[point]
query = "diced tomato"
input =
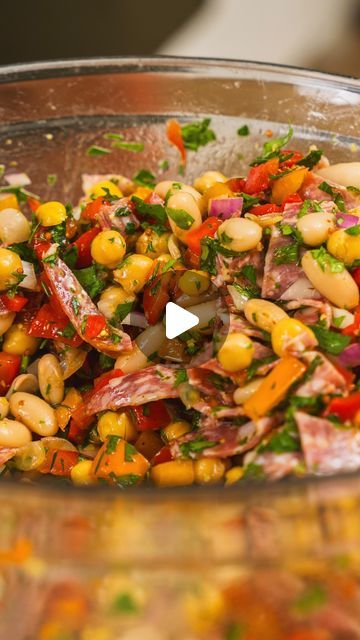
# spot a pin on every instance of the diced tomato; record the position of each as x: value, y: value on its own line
x: 354, y: 328
x: 296, y: 156
x: 83, y: 245
x: 174, y: 135
x: 263, y: 209
x: 164, y: 455
x: 102, y: 380
x: 356, y: 275
x: 41, y: 247
x: 77, y: 432
x: 47, y: 324
x: 156, y: 296
x: 236, y: 185
x: 344, y: 408
x: 153, y: 415
x: 33, y: 203
x: 9, y: 369
x: 258, y: 178
x: 94, y: 326
x: 59, y: 462
x: 293, y: 199
x: 92, y: 208
x: 191, y: 259
x: 14, y: 303
x: 207, y: 229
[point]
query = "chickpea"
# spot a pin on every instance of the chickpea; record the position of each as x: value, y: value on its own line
x: 239, y: 234
x: 338, y: 287
x: 236, y: 353
x: 113, y: 423
x: 344, y: 246
x: 6, y: 321
x: 234, y: 475
x: 134, y: 272
x: 315, y: 228
x: 176, y: 430
x: 100, y: 189
x: 108, y: 248
x: 217, y: 190
x: 14, y: 227
x: 263, y: 314
x: 10, y: 268
x: 152, y: 244
x: 18, y: 343
x: 208, y: 179
x: 176, y: 473
x: 194, y: 283
x: 165, y: 188
x: 209, y: 470
x: 183, y: 213
x: 285, y: 331
x: 50, y: 214
x: 81, y: 474
x: 111, y: 298
x: 30, y: 457
x: 13, y: 433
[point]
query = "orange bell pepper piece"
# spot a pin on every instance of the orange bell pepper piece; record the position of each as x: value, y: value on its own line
x: 119, y: 462
x: 290, y: 183
x: 274, y: 387
x: 63, y: 412
x: 174, y: 135
x: 8, y: 201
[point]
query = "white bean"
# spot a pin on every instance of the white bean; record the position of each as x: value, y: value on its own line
x: 345, y: 173
x: 4, y: 407
x: 241, y: 394
x: 34, y: 412
x: 51, y: 381
x: 263, y: 314
x: 53, y: 442
x: 316, y: 227
x: 151, y: 339
x: 14, y: 227
x: 6, y: 320
x: 344, y: 318
x: 177, y: 204
x: 24, y: 382
x: 170, y: 187
x: 239, y: 234
x: 13, y: 433
x: 132, y: 361
x: 340, y: 288
x: 205, y: 312
x: 31, y: 456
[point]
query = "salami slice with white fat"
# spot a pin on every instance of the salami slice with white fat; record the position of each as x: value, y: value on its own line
x: 78, y: 307
x: 327, y: 447
x: 118, y: 215
x: 150, y: 384
x: 275, y: 466
x: 326, y: 379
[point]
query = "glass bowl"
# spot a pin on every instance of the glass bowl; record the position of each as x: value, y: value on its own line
x: 256, y: 561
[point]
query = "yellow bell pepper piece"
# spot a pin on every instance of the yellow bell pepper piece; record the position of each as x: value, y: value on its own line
x: 274, y: 387
x: 63, y: 412
x: 288, y: 185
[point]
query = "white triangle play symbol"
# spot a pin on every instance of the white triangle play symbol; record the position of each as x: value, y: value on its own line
x: 178, y: 320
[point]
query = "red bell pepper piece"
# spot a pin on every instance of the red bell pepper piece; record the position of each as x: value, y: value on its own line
x: 94, y: 326
x: 153, y: 415
x: 59, y: 462
x: 83, y: 245
x: 293, y: 199
x: 236, y: 185
x: 349, y: 376
x: 102, y: 380
x: 174, y: 136
x: 14, y: 303
x: 258, y: 178
x: 33, y: 203
x: 344, y: 408
x: 296, y: 156
x: 263, y: 209
x: 9, y: 369
x: 92, y: 208
x: 356, y: 275
x: 207, y: 229
x: 156, y: 296
x: 47, y: 324
x: 354, y: 328
x: 164, y: 455
x: 41, y: 247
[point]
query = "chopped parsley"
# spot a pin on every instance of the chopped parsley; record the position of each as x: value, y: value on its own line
x: 181, y: 376
x: 282, y: 441
x: 182, y: 218
x: 70, y: 256
x: 52, y: 179
x: 68, y: 332
x: 309, y: 204
x: 156, y: 211
x: 135, y: 147
x: 253, y: 471
x: 124, y: 603
x: 163, y: 164
x: 313, y: 598
x: 353, y: 231
x: 256, y: 364
x: 58, y: 233
x: 24, y: 251
x: 130, y: 451
x: 95, y: 150
x: 330, y: 341
x: 326, y: 260
x: 127, y: 480
x: 287, y: 254
x: 272, y: 148
x: 76, y: 306
x: 112, y: 443
x: 92, y: 279
x: 50, y: 259
x: 248, y: 202
x: 195, y: 446
x: 246, y: 290
x: 243, y: 131
x: 144, y: 178
x: 197, y: 134
x: 311, y: 159
x: 336, y: 195
x: 121, y: 311
x: 352, y: 189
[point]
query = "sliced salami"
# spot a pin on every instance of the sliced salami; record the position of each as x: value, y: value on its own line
x: 326, y: 379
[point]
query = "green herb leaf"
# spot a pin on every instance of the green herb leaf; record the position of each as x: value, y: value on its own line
x: 253, y: 471
x: 163, y: 165
x: 70, y: 256
x: 287, y: 254
x: 313, y: 598
x: 336, y: 195
x: 195, y: 446
x: 52, y: 179
x: 249, y: 202
x: 127, y: 480
x: 353, y: 231
x: 352, y: 189
x: 243, y: 131
x: 121, y: 311
x: 249, y: 272
x: 68, y: 332
x: 247, y: 291
x: 282, y: 441
x: 58, y: 233
x: 144, y: 178
x: 311, y: 159
x: 272, y: 148
x: 95, y: 150
x: 330, y: 341
x: 256, y: 364
x: 156, y: 211
x: 24, y: 251
x: 181, y: 376
x: 326, y: 260
x: 111, y: 444
x: 135, y: 147
x: 308, y: 204
x: 105, y: 362
x: 197, y: 134
x: 76, y: 306
x: 92, y: 279
x: 130, y: 451
x: 124, y: 603
x: 181, y: 218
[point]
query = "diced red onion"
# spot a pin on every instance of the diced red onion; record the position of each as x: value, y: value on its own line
x: 346, y: 220
x: 30, y: 281
x: 350, y: 357
x: 17, y: 179
x: 135, y: 319
x: 225, y: 207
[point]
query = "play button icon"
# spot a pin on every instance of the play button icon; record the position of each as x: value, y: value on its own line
x: 178, y: 320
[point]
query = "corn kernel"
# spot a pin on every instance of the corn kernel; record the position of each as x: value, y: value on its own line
x: 113, y: 423
x: 10, y: 268
x: 81, y: 473
x: 176, y: 473
x: 344, y: 247
x: 194, y: 282
x: 108, y: 248
x: 18, y: 343
x: 176, y: 430
x: 236, y: 353
x: 233, y: 475
x: 50, y: 214
x: 101, y: 188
